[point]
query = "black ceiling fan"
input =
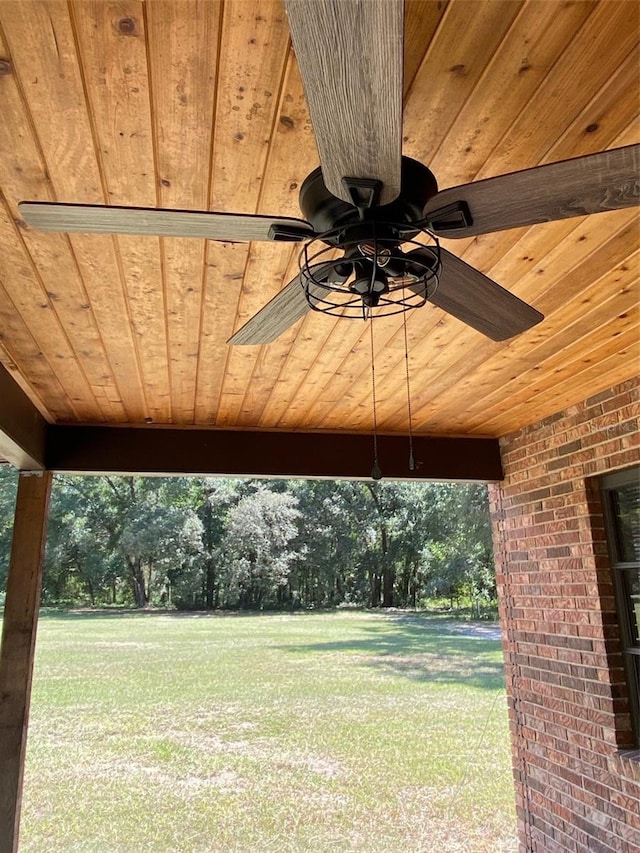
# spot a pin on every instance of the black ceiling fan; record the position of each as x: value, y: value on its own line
x: 372, y: 216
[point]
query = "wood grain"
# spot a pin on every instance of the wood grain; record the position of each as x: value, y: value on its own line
x: 594, y: 183
x: 198, y: 106
x: 281, y: 312
x: 17, y: 651
x: 153, y: 222
x: 448, y: 75
x: 350, y: 57
x: 481, y: 303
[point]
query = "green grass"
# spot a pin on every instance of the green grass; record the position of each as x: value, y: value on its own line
x: 326, y: 732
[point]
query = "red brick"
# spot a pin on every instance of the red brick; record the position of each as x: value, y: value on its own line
x: 569, y: 712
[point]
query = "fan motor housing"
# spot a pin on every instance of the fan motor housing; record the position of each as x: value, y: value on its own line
x: 327, y: 213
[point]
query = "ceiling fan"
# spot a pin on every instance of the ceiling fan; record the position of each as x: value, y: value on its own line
x: 372, y: 216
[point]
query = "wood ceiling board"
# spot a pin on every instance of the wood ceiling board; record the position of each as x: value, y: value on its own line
x: 537, y: 36
x: 603, y: 322
x: 620, y: 366
x: 267, y: 265
x: 183, y: 58
x: 255, y: 114
x: 152, y: 343
x: 293, y: 149
x: 74, y: 172
x: 421, y: 20
x: 574, y: 374
x: 450, y: 70
x: 116, y: 70
x: 570, y: 88
x: 592, y: 57
x: 18, y: 342
x: 254, y: 48
x: 54, y: 314
x: 591, y: 261
x: 604, y: 120
x: 37, y: 341
x: 300, y: 369
x: 225, y: 269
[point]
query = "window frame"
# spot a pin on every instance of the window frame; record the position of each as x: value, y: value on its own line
x: 630, y: 646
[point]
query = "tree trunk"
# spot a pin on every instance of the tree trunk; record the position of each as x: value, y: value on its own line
x: 139, y: 590
x: 210, y: 592
x: 415, y: 583
x: 388, y: 573
x: 374, y: 580
x: 210, y: 584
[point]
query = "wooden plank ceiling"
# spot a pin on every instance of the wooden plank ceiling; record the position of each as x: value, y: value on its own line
x: 198, y: 105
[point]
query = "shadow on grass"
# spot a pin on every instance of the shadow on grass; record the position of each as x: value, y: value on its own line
x: 426, y: 648
x: 417, y: 648
x: 76, y: 613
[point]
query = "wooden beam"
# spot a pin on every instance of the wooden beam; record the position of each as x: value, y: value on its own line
x: 22, y: 427
x: 18, y: 645
x: 94, y: 450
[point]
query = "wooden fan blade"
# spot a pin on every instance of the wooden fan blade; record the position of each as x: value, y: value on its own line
x: 350, y: 56
x: 592, y: 184
x: 479, y: 302
x: 90, y: 218
x: 286, y: 308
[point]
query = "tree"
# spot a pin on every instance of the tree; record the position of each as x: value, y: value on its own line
x: 213, y: 498
x: 257, y: 547
x: 158, y: 535
x: 459, y: 561
x: 222, y: 542
x: 79, y: 559
x: 325, y: 571
x: 119, y: 533
x: 8, y: 490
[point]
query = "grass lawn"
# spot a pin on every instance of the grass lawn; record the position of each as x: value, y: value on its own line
x: 347, y: 731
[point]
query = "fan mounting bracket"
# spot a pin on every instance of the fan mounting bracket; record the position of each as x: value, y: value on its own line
x: 288, y: 233
x: 452, y: 217
x: 363, y: 192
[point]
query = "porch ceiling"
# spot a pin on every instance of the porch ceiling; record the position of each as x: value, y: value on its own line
x: 199, y: 105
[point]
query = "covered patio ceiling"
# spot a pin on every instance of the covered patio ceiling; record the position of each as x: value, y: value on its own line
x: 199, y: 105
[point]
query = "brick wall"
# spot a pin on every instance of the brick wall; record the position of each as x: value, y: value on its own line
x: 567, y: 698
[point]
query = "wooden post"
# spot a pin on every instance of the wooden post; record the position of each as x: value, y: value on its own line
x: 18, y: 645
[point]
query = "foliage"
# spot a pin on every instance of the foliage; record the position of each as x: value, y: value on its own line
x: 213, y: 542
x: 8, y: 486
x: 256, y: 547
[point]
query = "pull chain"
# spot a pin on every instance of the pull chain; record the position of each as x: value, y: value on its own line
x: 376, y: 472
x: 412, y: 461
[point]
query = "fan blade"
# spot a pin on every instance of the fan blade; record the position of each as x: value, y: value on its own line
x: 350, y: 57
x: 472, y: 297
x: 91, y: 218
x: 285, y: 309
x: 591, y: 184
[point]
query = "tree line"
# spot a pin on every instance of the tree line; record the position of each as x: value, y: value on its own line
x: 209, y: 543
